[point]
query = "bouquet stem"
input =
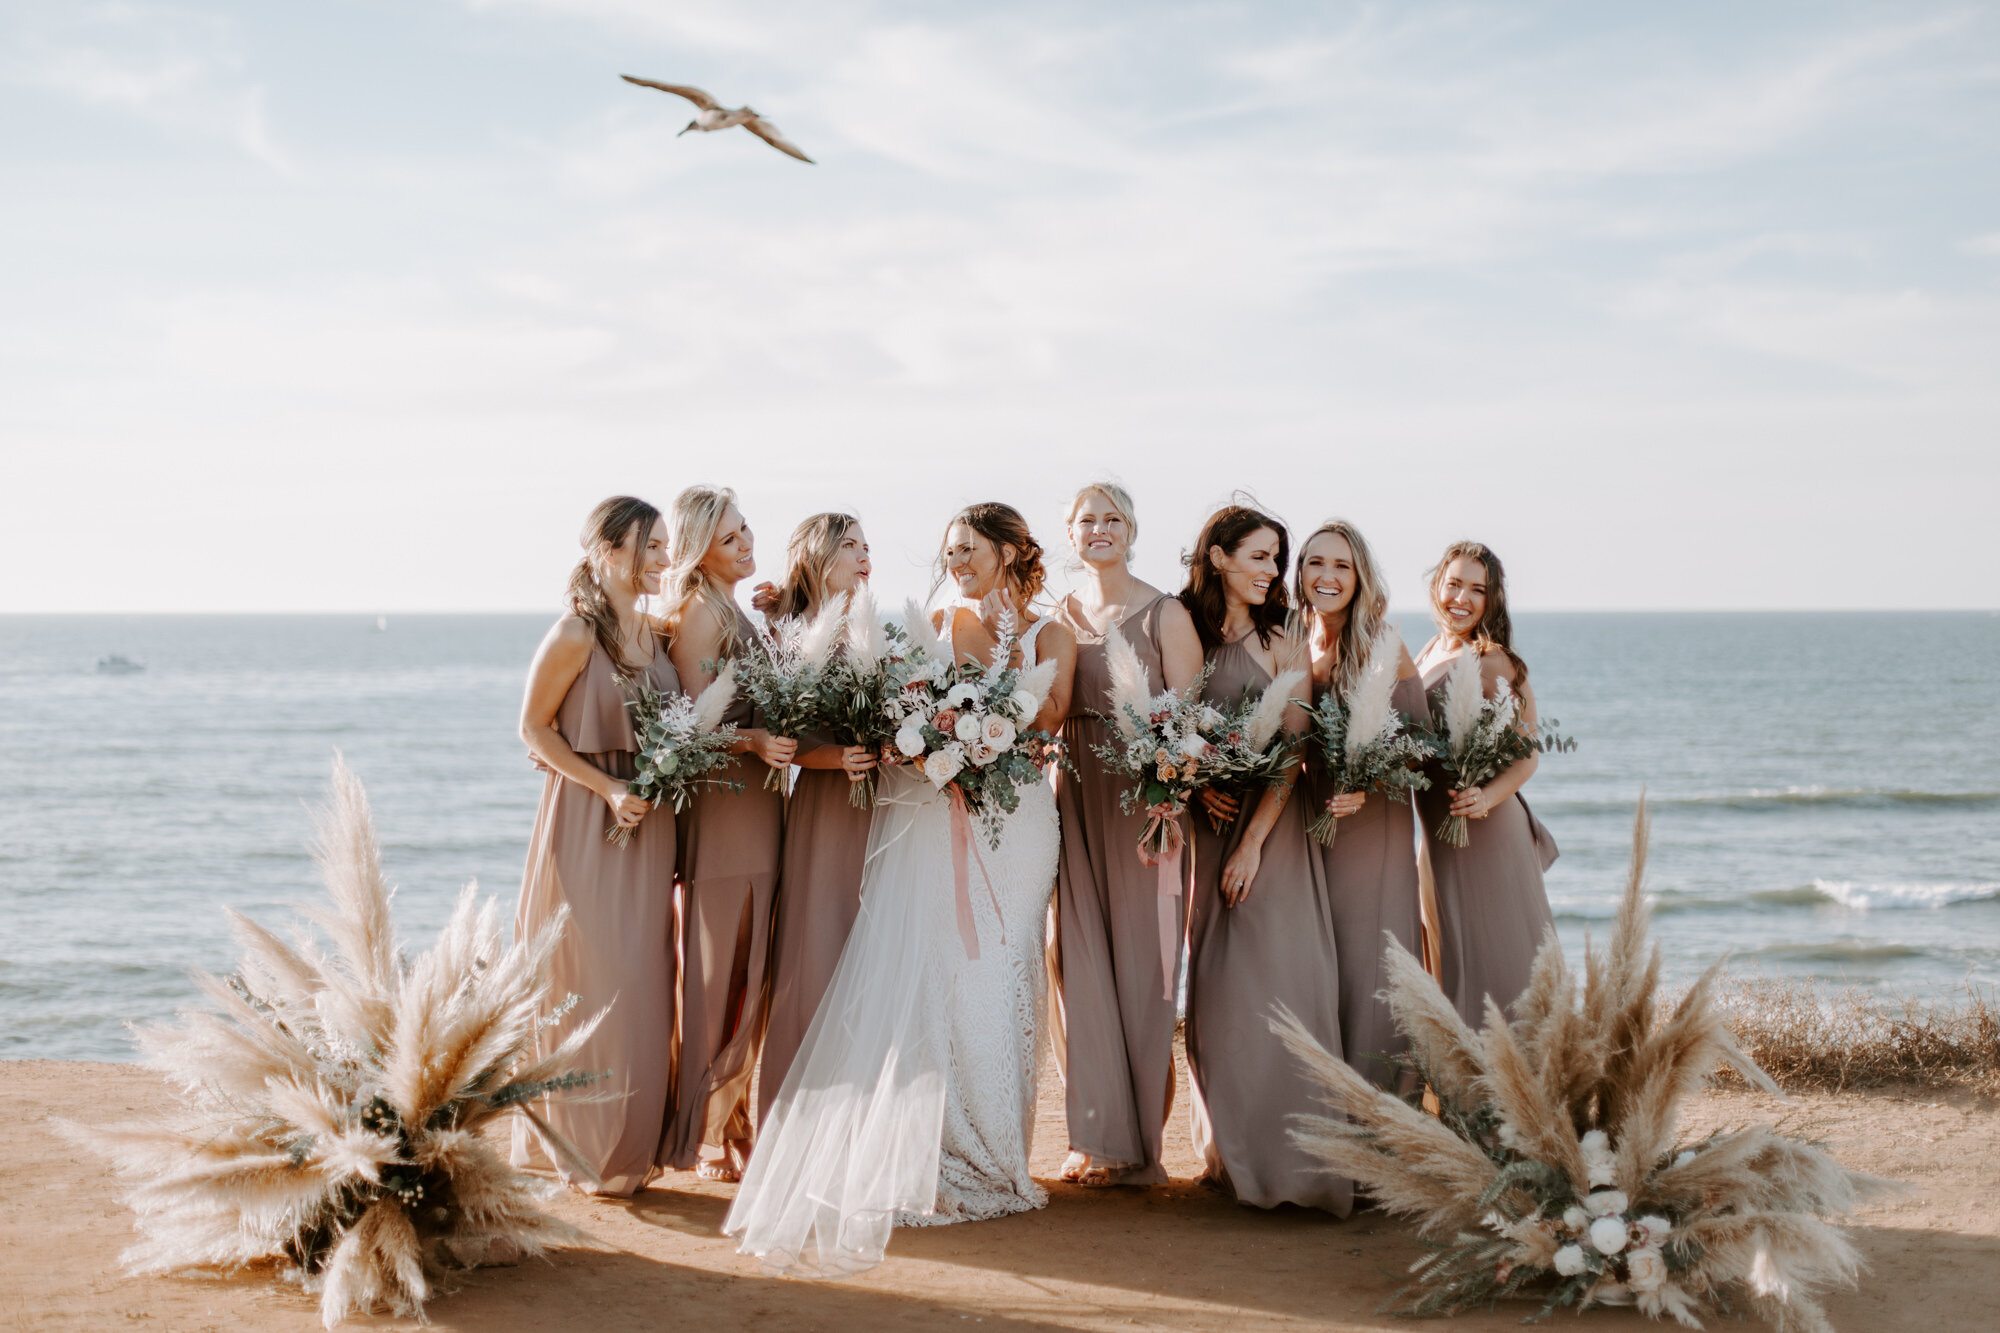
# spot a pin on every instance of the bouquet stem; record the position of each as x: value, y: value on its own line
x: 1325, y: 826
x: 861, y: 792
x: 1452, y: 830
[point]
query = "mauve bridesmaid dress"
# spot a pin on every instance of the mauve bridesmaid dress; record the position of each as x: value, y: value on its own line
x: 730, y: 846
x: 1275, y: 947
x: 826, y: 841
x: 1493, y: 911
x: 1371, y: 881
x: 1116, y: 991
x: 618, y: 948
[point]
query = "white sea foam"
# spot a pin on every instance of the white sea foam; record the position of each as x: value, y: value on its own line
x: 1876, y: 897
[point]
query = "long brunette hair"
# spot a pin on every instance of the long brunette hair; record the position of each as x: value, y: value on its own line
x: 1003, y: 525
x: 1229, y: 527
x: 606, y: 530
x: 1495, y: 628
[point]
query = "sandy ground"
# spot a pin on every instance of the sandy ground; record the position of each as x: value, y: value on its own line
x: 1178, y: 1257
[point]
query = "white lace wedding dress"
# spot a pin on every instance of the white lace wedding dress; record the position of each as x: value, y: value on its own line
x: 912, y: 1100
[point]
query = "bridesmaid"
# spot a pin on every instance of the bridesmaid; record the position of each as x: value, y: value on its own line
x: 618, y: 948
x: 1371, y: 866
x: 1118, y: 940
x: 1260, y: 930
x: 826, y: 834
x: 729, y: 850
x: 1492, y: 910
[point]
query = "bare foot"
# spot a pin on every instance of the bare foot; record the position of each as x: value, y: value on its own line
x: 714, y: 1168
x: 1098, y: 1177
x: 1075, y: 1165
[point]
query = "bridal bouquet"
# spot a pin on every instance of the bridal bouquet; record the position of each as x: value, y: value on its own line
x: 1482, y: 738
x: 681, y: 742
x: 965, y: 725
x: 1249, y: 750
x: 848, y: 706
x: 782, y: 671
x: 1364, y: 741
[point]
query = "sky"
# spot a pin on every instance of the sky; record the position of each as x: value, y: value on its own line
x: 361, y: 305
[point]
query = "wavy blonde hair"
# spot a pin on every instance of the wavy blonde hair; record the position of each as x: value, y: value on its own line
x: 814, y: 546
x: 1365, y: 610
x: 1120, y: 499
x: 691, y: 526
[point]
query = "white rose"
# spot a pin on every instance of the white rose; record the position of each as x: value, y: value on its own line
x: 981, y: 754
x: 1210, y: 718
x: 1646, y: 1269
x: 1657, y: 1228
x: 1607, y: 1203
x: 910, y: 739
x: 1193, y: 746
x: 1575, y: 1218
x: 967, y: 727
x: 1570, y: 1260
x: 997, y: 731
x: 1607, y: 1235
x: 962, y: 695
x: 941, y: 766
x: 1024, y: 702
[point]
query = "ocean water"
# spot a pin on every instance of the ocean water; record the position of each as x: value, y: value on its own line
x: 1825, y: 790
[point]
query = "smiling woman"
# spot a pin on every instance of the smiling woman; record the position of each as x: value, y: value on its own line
x: 618, y: 943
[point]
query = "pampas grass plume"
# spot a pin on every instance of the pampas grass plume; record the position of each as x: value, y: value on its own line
x: 1271, y: 705
x: 1370, y: 713
x: 712, y: 704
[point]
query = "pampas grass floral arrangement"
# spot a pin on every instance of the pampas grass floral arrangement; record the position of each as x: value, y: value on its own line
x: 331, y: 1105
x: 1556, y: 1169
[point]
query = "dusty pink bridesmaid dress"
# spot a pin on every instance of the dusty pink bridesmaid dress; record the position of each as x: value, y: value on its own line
x: 730, y: 845
x: 1116, y: 984
x: 1275, y: 947
x: 619, y: 946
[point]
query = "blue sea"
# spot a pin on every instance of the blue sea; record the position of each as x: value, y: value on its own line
x: 1825, y: 790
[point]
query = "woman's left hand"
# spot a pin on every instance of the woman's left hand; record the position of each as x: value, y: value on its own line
x: 1347, y: 803
x: 1473, y: 803
x: 1239, y: 872
x: 858, y: 761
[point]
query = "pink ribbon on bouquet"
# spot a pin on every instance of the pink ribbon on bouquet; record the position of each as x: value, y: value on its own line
x: 1163, y: 824
x: 962, y: 842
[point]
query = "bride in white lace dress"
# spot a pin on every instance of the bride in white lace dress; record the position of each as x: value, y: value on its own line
x: 912, y: 1099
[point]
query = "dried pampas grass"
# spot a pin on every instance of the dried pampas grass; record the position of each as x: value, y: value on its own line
x: 331, y: 1105
x: 1556, y: 1169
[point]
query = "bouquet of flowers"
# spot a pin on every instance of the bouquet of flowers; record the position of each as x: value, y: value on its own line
x: 1159, y: 741
x: 1556, y: 1168
x: 1481, y: 738
x: 1249, y: 750
x: 1364, y: 741
x: 965, y: 725
x: 848, y: 705
x: 681, y: 742
x: 781, y: 673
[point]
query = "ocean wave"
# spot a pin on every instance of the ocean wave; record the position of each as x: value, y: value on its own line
x: 1772, y: 799
x: 1840, y: 951
x: 1875, y: 897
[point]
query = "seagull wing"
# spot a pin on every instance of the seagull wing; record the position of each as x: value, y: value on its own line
x: 693, y: 94
x: 768, y: 132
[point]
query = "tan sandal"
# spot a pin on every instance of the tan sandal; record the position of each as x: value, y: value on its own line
x: 717, y: 1170
x: 1074, y: 1166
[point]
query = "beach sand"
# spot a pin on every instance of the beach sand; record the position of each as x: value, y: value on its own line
x: 1177, y: 1257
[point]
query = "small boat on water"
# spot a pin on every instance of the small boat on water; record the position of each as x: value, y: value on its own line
x: 118, y: 665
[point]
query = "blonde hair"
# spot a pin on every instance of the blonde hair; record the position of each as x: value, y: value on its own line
x: 814, y: 546
x: 1365, y: 610
x: 1120, y: 499
x: 697, y: 513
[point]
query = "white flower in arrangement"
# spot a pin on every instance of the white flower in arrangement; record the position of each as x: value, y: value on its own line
x: 1024, y: 703
x: 941, y: 766
x: 1657, y: 1228
x: 997, y: 731
x: 910, y: 738
x: 1575, y: 1218
x: 981, y: 754
x: 962, y: 695
x: 1607, y: 1203
x: 1646, y: 1269
x: 1570, y: 1260
x: 1686, y: 1156
x: 1598, y: 1160
x: 1211, y: 718
x: 1193, y: 746
x: 967, y: 727
x: 1607, y: 1235
x: 1510, y: 1138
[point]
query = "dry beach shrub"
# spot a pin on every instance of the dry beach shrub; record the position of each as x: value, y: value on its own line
x: 1814, y: 1038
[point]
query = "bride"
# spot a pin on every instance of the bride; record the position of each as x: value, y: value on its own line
x: 912, y: 1100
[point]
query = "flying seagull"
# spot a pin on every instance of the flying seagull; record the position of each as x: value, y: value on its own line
x: 711, y: 115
